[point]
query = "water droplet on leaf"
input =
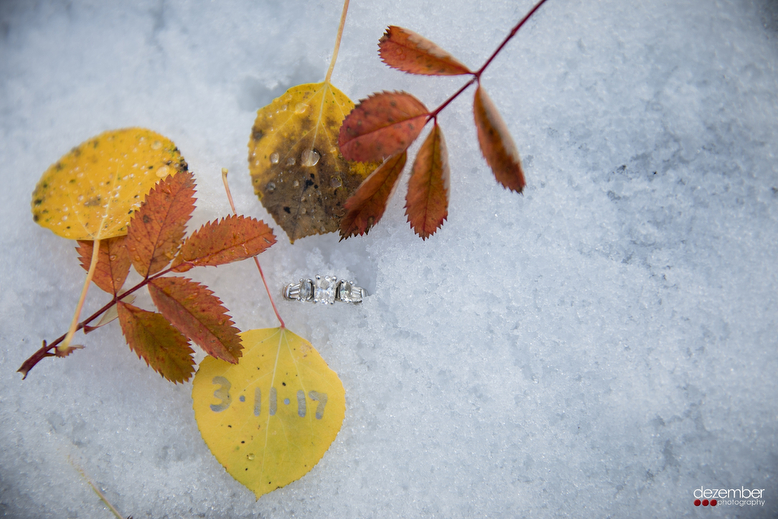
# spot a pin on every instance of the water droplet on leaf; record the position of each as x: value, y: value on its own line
x: 310, y: 158
x: 298, y: 135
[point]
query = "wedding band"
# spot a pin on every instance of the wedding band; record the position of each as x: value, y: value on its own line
x: 324, y: 290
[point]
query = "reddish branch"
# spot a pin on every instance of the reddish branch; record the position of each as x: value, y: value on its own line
x: 46, y: 349
x: 477, y: 74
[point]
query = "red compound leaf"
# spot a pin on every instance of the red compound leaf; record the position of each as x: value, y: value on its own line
x: 426, y: 204
x: 405, y: 50
x: 367, y: 205
x: 382, y: 125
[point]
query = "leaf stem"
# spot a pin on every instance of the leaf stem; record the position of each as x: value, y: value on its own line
x: 337, y: 44
x: 45, y: 350
x: 477, y: 74
x: 434, y: 113
x: 232, y: 205
x: 89, y: 275
x: 96, y: 490
x: 508, y: 38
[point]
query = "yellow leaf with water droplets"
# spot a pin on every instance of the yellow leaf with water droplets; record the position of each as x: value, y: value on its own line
x: 296, y: 166
x: 91, y: 192
x: 271, y: 417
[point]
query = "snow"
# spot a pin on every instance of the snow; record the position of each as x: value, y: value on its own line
x: 600, y: 346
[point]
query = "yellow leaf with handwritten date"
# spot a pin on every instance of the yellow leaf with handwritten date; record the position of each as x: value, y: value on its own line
x: 270, y: 418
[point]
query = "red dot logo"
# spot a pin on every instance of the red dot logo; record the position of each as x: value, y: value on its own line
x: 697, y: 502
x: 704, y: 502
x: 713, y: 502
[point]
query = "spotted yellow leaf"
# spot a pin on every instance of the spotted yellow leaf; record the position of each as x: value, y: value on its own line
x: 91, y: 192
x: 296, y: 167
x: 271, y: 417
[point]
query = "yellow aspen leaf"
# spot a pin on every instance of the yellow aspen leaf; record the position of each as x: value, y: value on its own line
x: 296, y: 167
x: 91, y: 192
x: 271, y: 417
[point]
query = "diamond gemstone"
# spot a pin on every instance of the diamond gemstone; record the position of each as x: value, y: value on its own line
x: 305, y: 290
x: 300, y: 291
x: 324, y: 289
x: 348, y: 293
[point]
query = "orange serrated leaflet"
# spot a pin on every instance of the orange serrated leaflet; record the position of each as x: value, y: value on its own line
x: 426, y: 203
x: 233, y: 238
x: 496, y: 143
x: 270, y: 418
x: 155, y: 340
x: 197, y: 313
x: 382, y: 125
x: 157, y: 228
x: 113, y: 265
x: 410, y: 52
x: 368, y: 204
x: 296, y: 168
x: 90, y: 193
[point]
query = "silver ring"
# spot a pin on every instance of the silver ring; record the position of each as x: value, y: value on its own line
x: 324, y: 290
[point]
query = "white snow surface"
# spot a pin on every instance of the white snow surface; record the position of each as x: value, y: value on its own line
x: 600, y: 346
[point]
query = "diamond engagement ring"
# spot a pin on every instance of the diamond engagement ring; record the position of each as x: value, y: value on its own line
x: 324, y: 290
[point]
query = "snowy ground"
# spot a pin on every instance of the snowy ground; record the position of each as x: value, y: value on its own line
x: 601, y: 346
